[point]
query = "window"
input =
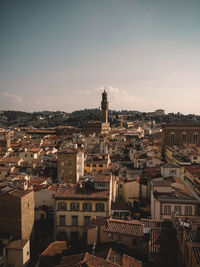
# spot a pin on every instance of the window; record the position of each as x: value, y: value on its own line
x: 119, y: 238
x: 172, y: 172
x: 101, y: 184
x: 25, y: 155
x: 177, y: 210
x: 62, y: 206
x: 116, y: 214
x: 184, y: 137
x: 172, y: 137
x: 62, y: 236
x: 70, y: 163
x: 87, y: 207
x: 100, y: 165
x: 62, y: 220
x: 110, y: 236
x: 188, y: 210
x: 100, y: 207
x: 86, y: 220
x: 195, y: 137
x: 31, y: 155
x: 88, y: 165
x: 75, y: 220
x: 167, y: 209
x: 75, y: 206
x: 94, y: 165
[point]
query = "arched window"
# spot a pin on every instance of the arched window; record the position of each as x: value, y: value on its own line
x: 184, y: 137
x: 62, y: 206
x: 172, y: 137
x: 195, y: 137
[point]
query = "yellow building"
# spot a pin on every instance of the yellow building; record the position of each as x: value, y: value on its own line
x: 131, y: 191
x: 75, y: 206
x: 192, y: 176
x: 96, y: 163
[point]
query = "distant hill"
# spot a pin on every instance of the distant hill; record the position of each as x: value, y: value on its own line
x: 78, y: 118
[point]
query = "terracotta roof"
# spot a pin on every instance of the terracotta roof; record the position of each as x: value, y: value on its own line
x: 170, y: 165
x: 122, y: 227
x: 5, y: 168
x: 57, y: 247
x: 9, y: 160
x: 68, y: 151
x: 102, y: 178
x: 71, y: 261
x: 34, y: 149
x: 194, y: 169
x: 128, y: 261
x: 15, y: 192
x: 94, y: 261
x: 153, y: 172
x: 113, y: 256
x: 81, y: 193
x: 38, y: 181
x: 161, y: 183
x: 176, y: 194
x: 17, y: 244
x: 86, y: 259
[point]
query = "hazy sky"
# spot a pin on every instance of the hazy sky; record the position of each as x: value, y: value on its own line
x: 59, y: 54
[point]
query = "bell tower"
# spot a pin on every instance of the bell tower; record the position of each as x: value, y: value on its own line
x: 104, y: 107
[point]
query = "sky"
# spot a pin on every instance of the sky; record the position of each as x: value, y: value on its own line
x: 61, y: 54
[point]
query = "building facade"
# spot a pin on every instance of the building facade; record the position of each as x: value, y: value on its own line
x: 180, y: 134
x: 17, y: 212
x: 74, y: 207
x: 70, y: 165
